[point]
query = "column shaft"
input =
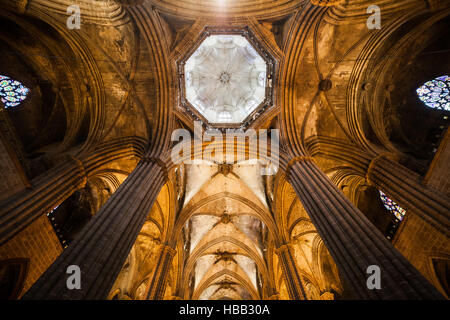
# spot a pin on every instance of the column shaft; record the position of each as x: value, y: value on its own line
x: 405, y: 188
x: 157, y: 286
x: 291, y: 274
x: 104, y: 243
x: 53, y: 187
x: 354, y: 243
x: 403, y: 185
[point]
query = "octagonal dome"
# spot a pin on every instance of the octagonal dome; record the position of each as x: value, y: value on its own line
x: 225, y: 79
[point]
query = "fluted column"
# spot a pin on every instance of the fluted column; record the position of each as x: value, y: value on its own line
x: 405, y: 187
x: 401, y: 184
x: 104, y: 243
x: 354, y: 243
x: 47, y: 191
x: 291, y: 274
x: 53, y: 187
x: 333, y: 148
x: 158, y: 285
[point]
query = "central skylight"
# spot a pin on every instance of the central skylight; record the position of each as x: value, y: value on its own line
x: 225, y: 79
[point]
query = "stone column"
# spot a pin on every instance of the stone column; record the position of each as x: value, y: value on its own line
x: 403, y: 185
x: 53, y: 187
x: 405, y: 188
x: 47, y: 191
x: 104, y: 243
x: 157, y: 287
x: 354, y: 243
x: 291, y: 274
x: 335, y: 149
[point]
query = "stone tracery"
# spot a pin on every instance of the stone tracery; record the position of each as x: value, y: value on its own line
x: 204, y: 230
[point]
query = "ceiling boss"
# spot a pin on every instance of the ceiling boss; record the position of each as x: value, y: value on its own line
x: 227, y: 79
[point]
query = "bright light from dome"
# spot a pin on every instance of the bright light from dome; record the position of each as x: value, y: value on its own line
x: 225, y: 79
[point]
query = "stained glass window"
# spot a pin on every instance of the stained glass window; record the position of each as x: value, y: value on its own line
x: 12, y: 92
x: 398, y: 211
x: 53, y: 210
x: 436, y: 93
x: 223, y: 74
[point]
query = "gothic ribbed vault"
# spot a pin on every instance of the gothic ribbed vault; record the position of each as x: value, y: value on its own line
x: 88, y: 175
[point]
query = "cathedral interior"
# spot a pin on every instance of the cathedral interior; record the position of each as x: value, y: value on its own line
x: 351, y: 182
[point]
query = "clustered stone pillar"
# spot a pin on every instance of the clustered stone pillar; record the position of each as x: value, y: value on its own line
x: 405, y: 188
x: 354, y: 243
x: 104, y: 243
x: 19, y: 211
x: 401, y: 184
x: 158, y: 284
x: 56, y: 185
x: 291, y: 275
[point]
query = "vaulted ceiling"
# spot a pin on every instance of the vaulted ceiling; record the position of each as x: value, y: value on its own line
x: 119, y: 76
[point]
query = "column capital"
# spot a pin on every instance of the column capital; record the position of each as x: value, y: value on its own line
x: 158, y: 162
x: 370, y: 168
x: 168, y: 250
x: 375, y: 161
x: 294, y: 160
x: 82, y: 168
x: 283, y: 248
